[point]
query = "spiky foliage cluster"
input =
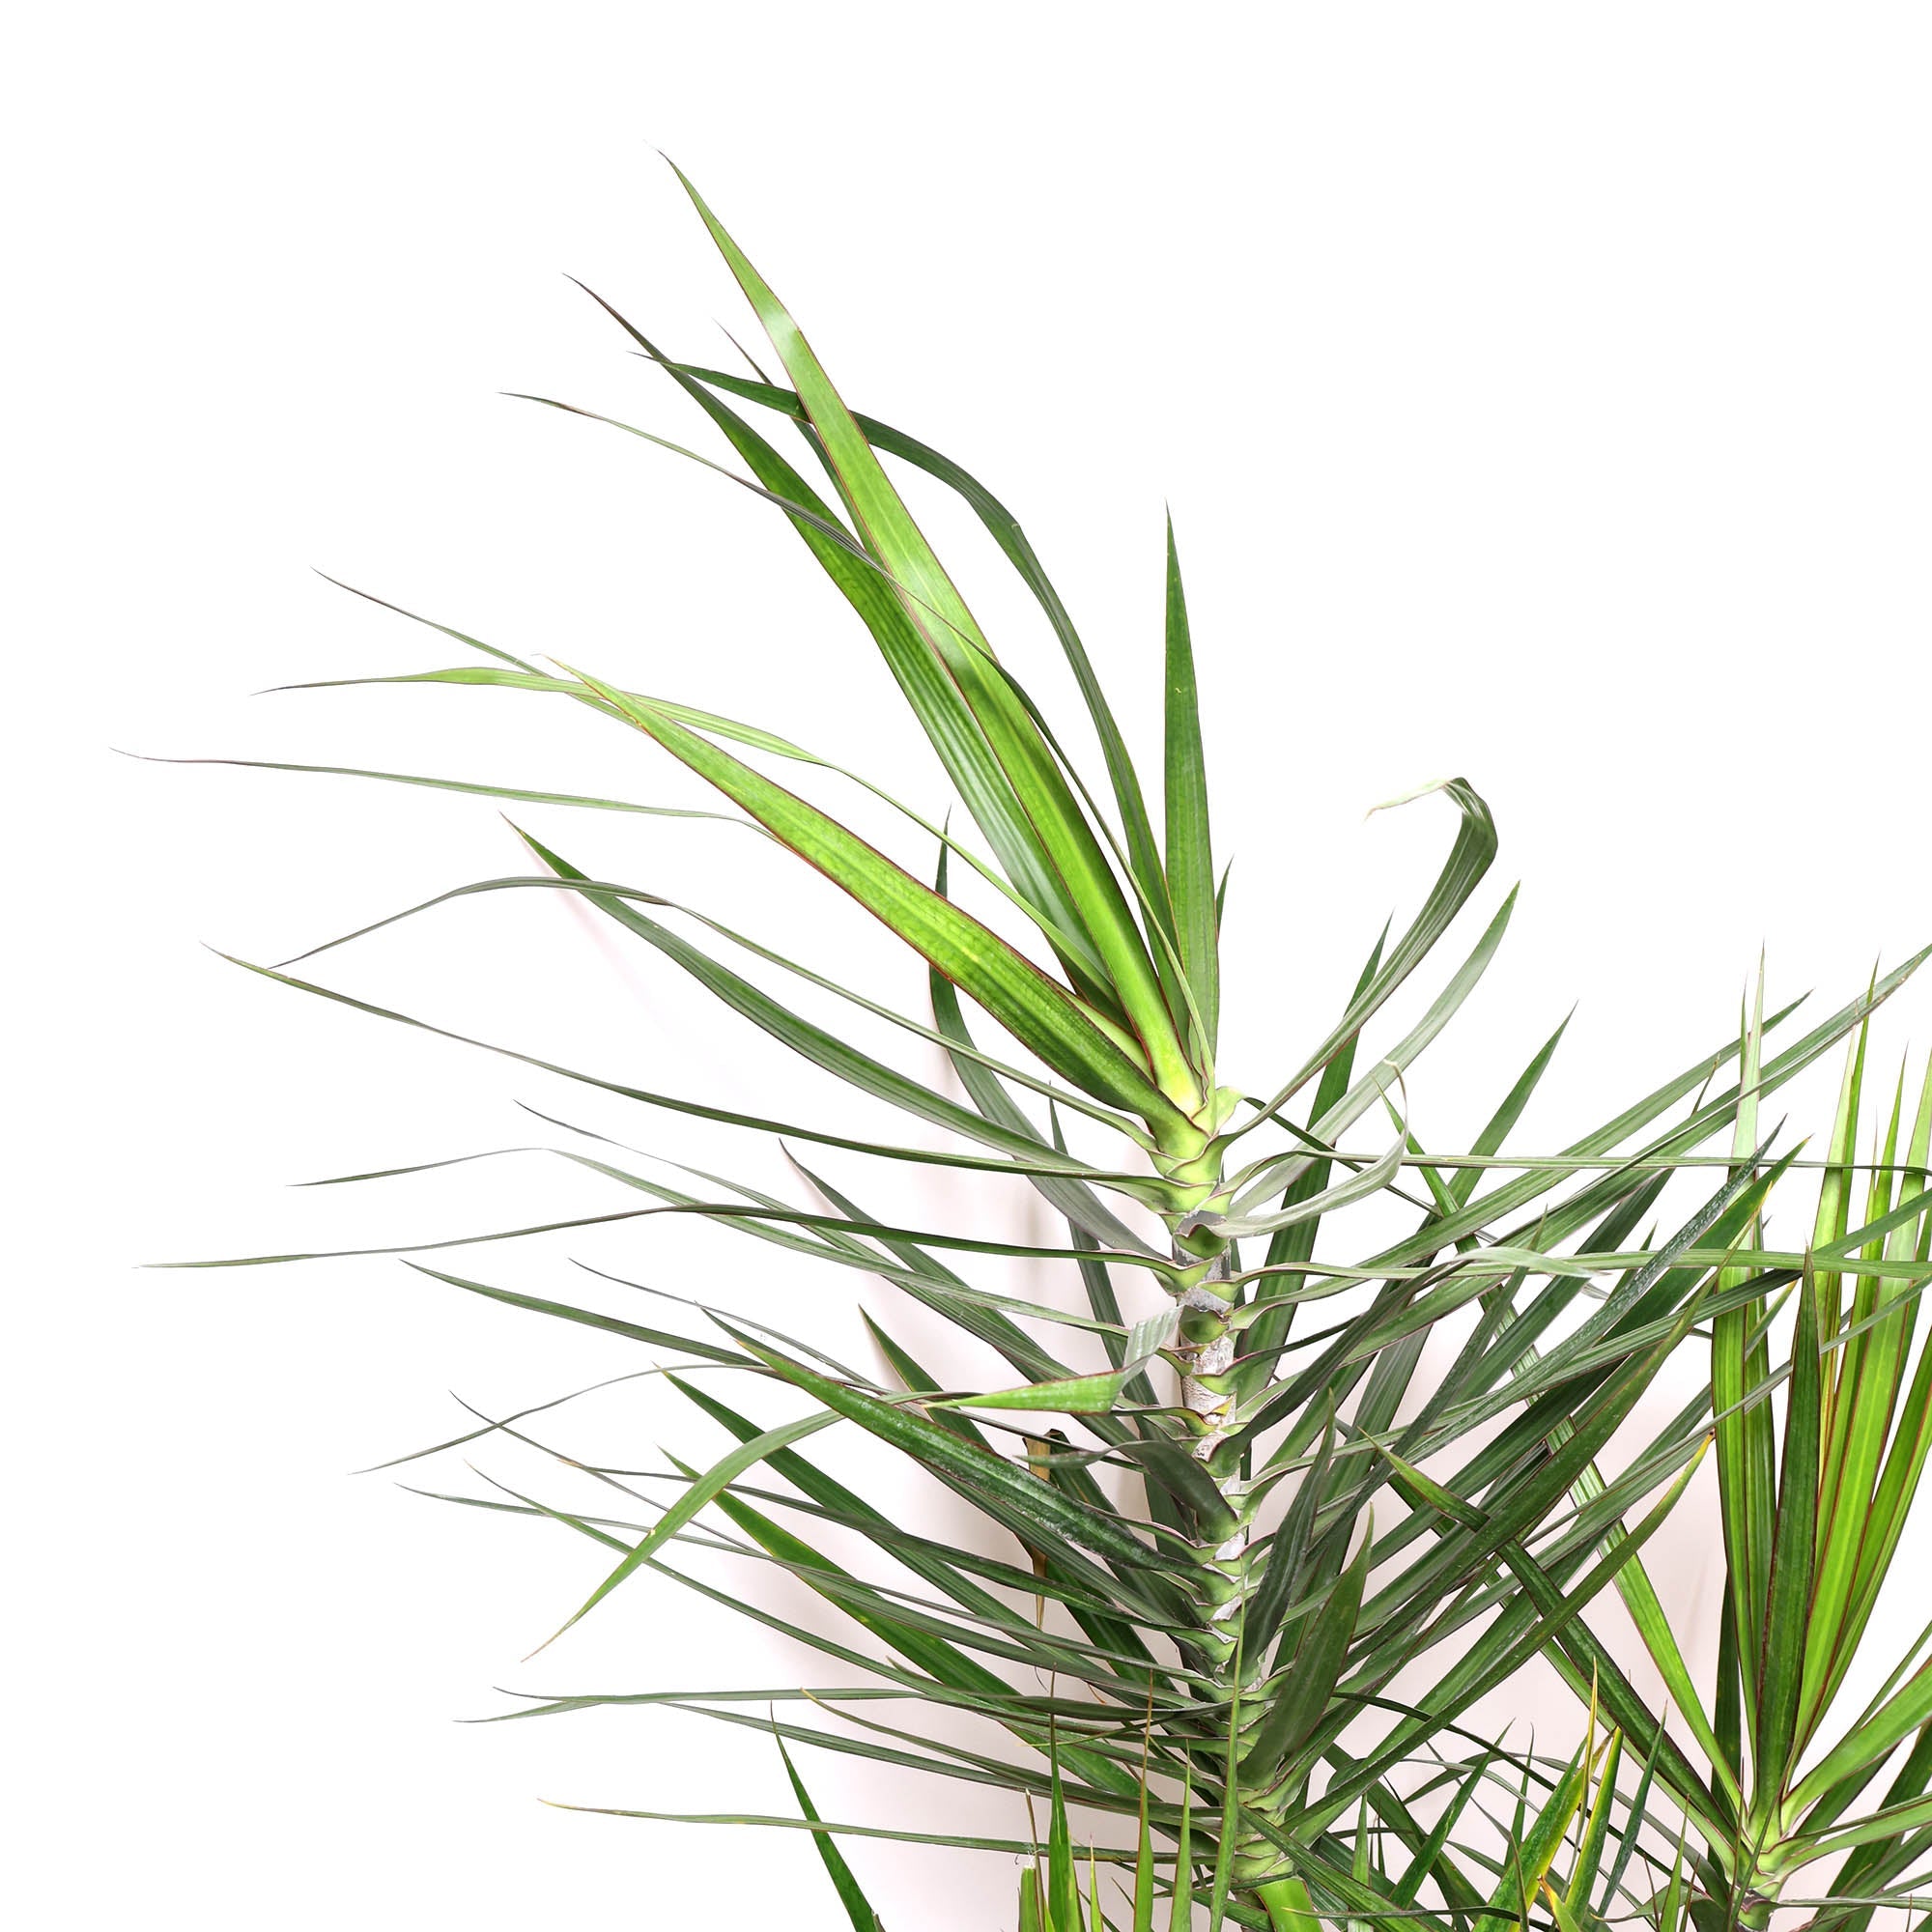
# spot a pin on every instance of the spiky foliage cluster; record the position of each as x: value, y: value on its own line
x: 1225, y: 1553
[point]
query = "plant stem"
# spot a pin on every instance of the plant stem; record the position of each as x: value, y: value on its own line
x: 1207, y: 1347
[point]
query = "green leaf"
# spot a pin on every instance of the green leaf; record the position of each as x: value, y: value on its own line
x: 1296, y: 1242
x: 1496, y: 1130
x: 587, y: 1318
x: 1042, y: 1016
x: 1144, y: 1872
x: 1424, y: 1863
x: 738, y: 1820
x: 1182, y: 1917
x: 1534, y: 1851
x: 1030, y: 1916
x: 1231, y: 1808
x: 1859, y: 1516
x: 1040, y: 902
x: 1063, y: 1881
x: 1635, y: 1817
x: 475, y: 790
x: 1468, y: 860
x: 1269, y: 1604
x: 715, y: 1480
x: 814, y: 1042
x: 1190, y: 856
x: 857, y: 1907
x: 935, y: 608
x: 1082, y: 1395
x: 415, y: 617
x: 1874, y: 1739
x: 1793, y: 1554
x: 1542, y: 1618
x: 846, y: 1506
x: 789, y: 1130
x: 1746, y: 1455
x: 1359, y: 1187
x: 1303, y: 1691
x: 1005, y: 530
x: 929, y: 1443
x: 933, y: 694
x: 1281, y: 1171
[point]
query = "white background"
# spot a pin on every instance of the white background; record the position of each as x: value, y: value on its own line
x: 1542, y: 394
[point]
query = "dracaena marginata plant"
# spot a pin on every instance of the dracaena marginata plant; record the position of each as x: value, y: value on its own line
x: 1248, y: 1563
x: 1812, y: 1520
